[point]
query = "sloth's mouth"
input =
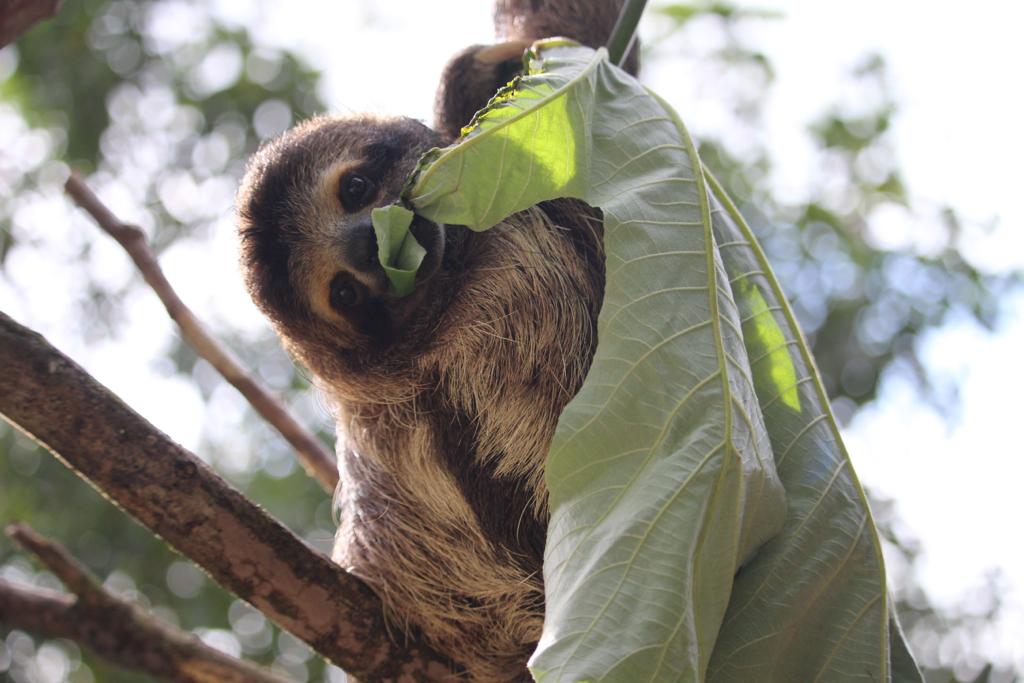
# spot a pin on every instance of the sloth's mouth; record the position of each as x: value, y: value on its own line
x: 412, y: 318
x: 381, y: 320
x: 431, y: 237
x: 413, y: 313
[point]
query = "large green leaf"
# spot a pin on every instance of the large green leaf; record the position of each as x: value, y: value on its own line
x: 673, y: 553
x: 812, y: 606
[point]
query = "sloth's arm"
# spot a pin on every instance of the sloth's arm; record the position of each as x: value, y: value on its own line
x: 473, y: 75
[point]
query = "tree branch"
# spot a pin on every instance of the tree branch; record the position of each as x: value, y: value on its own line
x: 318, y: 461
x: 624, y: 33
x: 113, y: 627
x: 18, y: 16
x: 177, y: 496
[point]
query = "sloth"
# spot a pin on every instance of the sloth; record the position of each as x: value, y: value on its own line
x: 445, y: 400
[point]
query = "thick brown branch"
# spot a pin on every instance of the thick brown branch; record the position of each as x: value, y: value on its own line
x: 113, y: 628
x: 177, y: 496
x: 317, y: 460
x: 18, y: 16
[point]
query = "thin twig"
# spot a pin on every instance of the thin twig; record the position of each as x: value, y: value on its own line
x: 177, y: 496
x: 58, y: 560
x: 624, y: 34
x: 114, y: 628
x: 318, y: 461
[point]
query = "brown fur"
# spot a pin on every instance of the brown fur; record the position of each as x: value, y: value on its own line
x: 446, y: 401
x: 588, y: 21
x: 445, y: 410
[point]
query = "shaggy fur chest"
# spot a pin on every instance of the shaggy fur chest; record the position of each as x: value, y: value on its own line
x: 414, y: 526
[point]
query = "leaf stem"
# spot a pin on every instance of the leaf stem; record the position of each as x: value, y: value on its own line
x: 625, y: 30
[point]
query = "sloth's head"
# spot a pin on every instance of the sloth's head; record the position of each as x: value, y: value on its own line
x: 308, y: 248
x: 505, y: 312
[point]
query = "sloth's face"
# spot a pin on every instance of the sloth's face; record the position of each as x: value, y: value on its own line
x: 507, y: 310
x: 308, y: 246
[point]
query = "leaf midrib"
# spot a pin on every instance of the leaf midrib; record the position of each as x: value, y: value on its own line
x: 713, y: 305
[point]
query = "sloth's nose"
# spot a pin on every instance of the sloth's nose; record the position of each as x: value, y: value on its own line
x: 359, y: 246
x: 356, y: 251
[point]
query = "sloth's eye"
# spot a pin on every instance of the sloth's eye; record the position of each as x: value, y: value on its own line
x: 345, y: 293
x: 355, y: 191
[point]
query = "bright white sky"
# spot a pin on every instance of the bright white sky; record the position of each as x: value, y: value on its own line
x: 957, y: 484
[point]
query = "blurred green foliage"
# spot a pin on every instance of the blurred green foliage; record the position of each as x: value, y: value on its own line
x: 165, y: 95
x: 167, y: 102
